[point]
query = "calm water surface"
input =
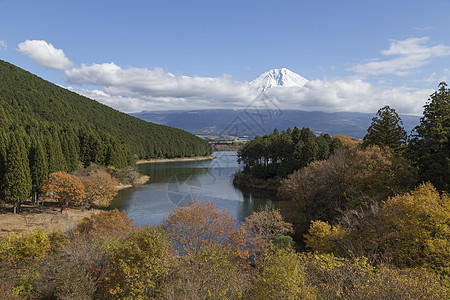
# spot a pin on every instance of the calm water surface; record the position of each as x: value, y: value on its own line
x: 175, y: 183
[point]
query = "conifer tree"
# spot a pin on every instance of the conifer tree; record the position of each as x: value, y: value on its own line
x: 3, y: 119
x: 335, y: 145
x: 69, y: 146
x: 310, y: 148
x: 17, y: 183
x: 429, y: 146
x: 323, y: 142
x: 55, y: 155
x: 4, y: 143
x: 38, y: 167
x: 386, y: 130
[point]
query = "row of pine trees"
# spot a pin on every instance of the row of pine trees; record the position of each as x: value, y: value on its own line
x: 29, y: 155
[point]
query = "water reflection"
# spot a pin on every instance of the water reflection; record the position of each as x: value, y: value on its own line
x: 175, y: 183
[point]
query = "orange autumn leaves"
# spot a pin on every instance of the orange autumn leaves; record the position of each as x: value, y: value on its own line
x: 65, y: 188
x: 200, y: 225
x: 98, y: 187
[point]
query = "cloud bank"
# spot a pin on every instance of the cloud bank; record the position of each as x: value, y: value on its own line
x: 45, y: 54
x: 136, y: 89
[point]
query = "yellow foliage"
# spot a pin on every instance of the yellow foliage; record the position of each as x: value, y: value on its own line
x: 24, y: 248
x: 139, y: 265
x: 413, y: 229
x: 389, y: 283
x: 335, y: 277
x: 347, y: 141
x: 282, y: 276
x: 322, y: 237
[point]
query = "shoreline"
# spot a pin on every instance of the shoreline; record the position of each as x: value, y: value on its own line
x: 180, y: 159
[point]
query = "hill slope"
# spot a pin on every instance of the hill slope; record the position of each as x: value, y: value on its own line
x: 27, y: 100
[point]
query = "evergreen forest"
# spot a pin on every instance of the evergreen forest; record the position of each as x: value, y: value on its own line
x: 37, y: 105
x: 45, y: 128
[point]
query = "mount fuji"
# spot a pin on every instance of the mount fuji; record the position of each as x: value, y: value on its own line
x: 219, y: 122
x: 278, y: 78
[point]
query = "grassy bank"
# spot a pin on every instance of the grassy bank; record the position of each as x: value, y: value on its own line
x: 47, y: 217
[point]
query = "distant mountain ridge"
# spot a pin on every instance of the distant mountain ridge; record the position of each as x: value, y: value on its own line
x: 278, y: 78
x: 249, y: 123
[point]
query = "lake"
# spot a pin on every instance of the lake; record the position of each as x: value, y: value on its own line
x: 177, y: 183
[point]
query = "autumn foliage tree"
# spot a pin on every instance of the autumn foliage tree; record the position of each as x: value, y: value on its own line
x: 110, y: 224
x: 409, y: 230
x: 201, y: 225
x: 349, y: 179
x: 413, y: 229
x: 265, y: 226
x: 65, y: 188
x: 100, y: 187
x: 282, y: 276
x: 139, y: 265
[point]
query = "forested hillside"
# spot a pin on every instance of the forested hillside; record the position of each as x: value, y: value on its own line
x: 35, y: 104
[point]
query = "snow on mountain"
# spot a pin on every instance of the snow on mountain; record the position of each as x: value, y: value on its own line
x: 278, y: 78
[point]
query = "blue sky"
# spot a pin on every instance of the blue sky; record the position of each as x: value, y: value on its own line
x: 151, y: 55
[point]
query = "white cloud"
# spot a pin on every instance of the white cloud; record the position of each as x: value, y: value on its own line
x: 352, y: 95
x: 45, y: 54
x: 3, y: 45
x: 409, y: 54
x: 137, y: 89
x: 160, y: 87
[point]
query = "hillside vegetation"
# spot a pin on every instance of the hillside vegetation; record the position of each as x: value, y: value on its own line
x: 45, y: 129
x: 29, y: 101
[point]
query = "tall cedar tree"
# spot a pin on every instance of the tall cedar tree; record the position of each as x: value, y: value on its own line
x: 429, y: 146
x: 386, y: 130
x: 17, y: 180
x: 56, y: 161
x: 4, y: 142
x: 69, y: 146
x: 38, y: 167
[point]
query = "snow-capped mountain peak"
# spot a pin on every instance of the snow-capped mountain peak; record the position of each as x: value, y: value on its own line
x: 278, y: 78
